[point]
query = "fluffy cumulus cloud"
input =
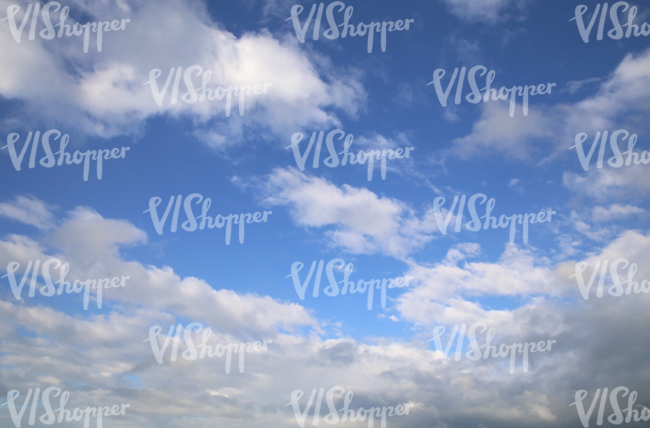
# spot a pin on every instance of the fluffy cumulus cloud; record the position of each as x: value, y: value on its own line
x: 91, y: 245
x: 630, y: 245
x: 103, y: 94
x: 443, y: 292
x: 103, y: 359
x: 496, y: 131
x: 356, y: 219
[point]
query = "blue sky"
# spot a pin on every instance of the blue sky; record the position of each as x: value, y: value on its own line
x: 383, y: 227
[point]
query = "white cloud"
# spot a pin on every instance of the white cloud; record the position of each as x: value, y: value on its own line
x: 91, y: 245
x: 594, y: 232
x: 28, y: 210
x: 361, y: 221
x: 610, y: 183
x: 43, y: 346
x: 490, y: 11
x: 103, y: 94
x: 496, y: 131
x: 630, y: 245
x: 440, y: 289
x: 619, y: 102
x: 19, y: 249
x: 615, y: 211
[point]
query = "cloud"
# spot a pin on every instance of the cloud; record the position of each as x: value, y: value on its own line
x: 106, y: 354
x: 87, y: 235
x: 496, y: 131
x: 515, y: 184
x: 610, y: 183
x: 91, y: 245
x: 28, y: 210
x: 441, y: 289
x: 592, y: 231
x: 103, y: 93
x: 615, y: 211
x: 102, y: 359
x: 21, y: 249
x: 357, y: 219
x: 619, y: 102
x: 574, y: 86
x: 488, y: 11
x: 629, y: 245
